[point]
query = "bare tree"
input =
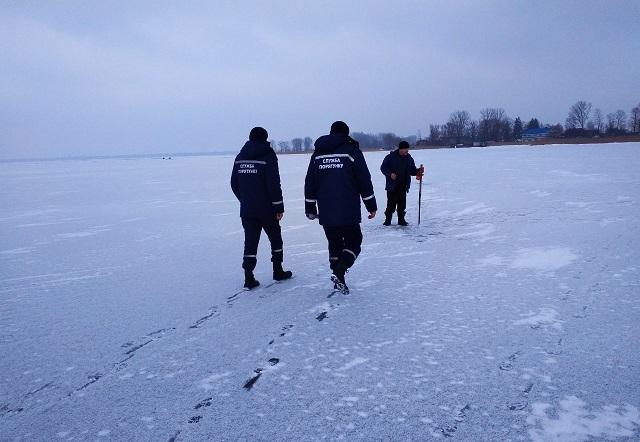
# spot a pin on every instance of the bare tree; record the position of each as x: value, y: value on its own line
x: 556, y: 130
x: 449, y: 130
x: 296, y: 144
x: 579, y: 115
x: 472, y: 130
x: 389, y: 139
x: 634, y: 119
x: 620, y: 118
x: 598, y: 120
x: 506, y: 129
x: 284, y: 146
x: 366, y: 141
x: 611, y: 122
x: 308, y: 144
x: 435, y: 133
x: 458, y: 121
x: 492, y: 121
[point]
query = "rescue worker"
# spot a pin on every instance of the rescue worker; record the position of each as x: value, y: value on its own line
x: 255, y: 181
x: 337, y: 178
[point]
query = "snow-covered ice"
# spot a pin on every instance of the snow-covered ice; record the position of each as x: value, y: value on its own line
x: 510, y: 314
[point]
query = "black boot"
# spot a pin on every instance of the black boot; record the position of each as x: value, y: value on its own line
x: 401, y: 220
x: 338, y: 278
x: 249, y: 280
x: 387, y: 219
x: 332, y: 266
x: 279, y: 274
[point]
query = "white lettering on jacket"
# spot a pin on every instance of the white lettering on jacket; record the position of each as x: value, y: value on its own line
x: 247, y: 168
x: 330, y: 163
x: 330, y: 166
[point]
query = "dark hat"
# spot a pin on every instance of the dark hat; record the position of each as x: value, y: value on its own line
x: 403, y: 145
x: 340, y: 127
x: 258, y: 134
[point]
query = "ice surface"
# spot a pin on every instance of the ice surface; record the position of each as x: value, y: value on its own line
x: 510, y: 314
x: 575, y: 422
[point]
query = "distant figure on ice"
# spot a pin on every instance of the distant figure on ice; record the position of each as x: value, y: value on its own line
x: 255, y: 180
x: 336, y: 179
x: 398, y: 167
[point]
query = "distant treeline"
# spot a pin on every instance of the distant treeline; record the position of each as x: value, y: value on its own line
x: 494, y: 125
x: 385, y: 140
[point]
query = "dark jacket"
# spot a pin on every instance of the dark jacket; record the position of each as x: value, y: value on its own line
x: 337, y: 178
x: 255, y: 180
x: 394, y: 163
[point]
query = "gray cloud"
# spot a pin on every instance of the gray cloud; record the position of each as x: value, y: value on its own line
x: 109, y: 77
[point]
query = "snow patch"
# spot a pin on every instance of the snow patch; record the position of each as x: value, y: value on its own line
x: 606, y: 221
x: 491, y: 260
x: 207, y: 383
x: 81, y: 234
x: 575, y: 422
x: 483, y: 230
x: 545, y: 317
x: 17, y: 251
x: 540, y: 193
x: 405, y: 254
x: 580, y: 205
x: 543, y: 259
x: 353, y: 363
x: 476, y: 208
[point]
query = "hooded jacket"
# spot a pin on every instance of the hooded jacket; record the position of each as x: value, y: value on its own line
x: 337, y: 178
x: 393, y: 163
x: 255, y: 181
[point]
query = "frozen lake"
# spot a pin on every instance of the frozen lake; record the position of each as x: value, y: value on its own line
x: 512, y: 313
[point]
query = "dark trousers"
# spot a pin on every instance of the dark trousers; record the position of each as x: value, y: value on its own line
x: 252, y: 230
x: 397, y: 198
x: 344, y: 244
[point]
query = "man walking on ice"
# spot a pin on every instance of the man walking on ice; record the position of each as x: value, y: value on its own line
x: 398, y: 167
x: 255, y: 180
x: 336, y: 179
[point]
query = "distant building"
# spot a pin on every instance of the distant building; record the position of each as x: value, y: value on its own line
x: 535, y: 134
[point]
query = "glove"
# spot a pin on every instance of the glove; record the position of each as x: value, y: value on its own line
x: 310, y: 209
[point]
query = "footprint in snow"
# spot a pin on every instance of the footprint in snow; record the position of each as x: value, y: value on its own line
x: 283, y: 332
x: 174, y: 437
x: 460, y: 416
x: 213, y: 312
x: 582, y: 313
x: 556, y: 348
x: 132, y: 347
x: 248, y: 385
x: 322, y: 316
x: 523, y: 401
x: 203, y: 403
x: 508, y: 364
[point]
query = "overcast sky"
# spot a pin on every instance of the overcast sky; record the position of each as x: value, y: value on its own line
x: 119, y: 77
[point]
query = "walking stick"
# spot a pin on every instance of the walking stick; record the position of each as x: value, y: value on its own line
x: 420, y: 197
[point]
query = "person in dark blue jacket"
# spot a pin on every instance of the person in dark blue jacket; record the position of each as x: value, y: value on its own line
x: 255, y: 180
x: 337, y: 178
x: 398, y: 167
